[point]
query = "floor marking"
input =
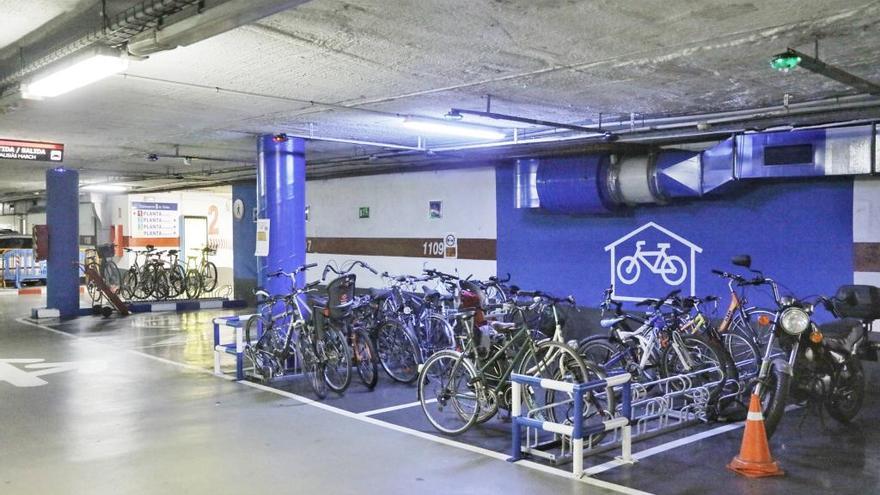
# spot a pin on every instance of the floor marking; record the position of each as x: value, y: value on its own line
x: 367, y: 419
x: 395, y: 408
x: 601, y: 468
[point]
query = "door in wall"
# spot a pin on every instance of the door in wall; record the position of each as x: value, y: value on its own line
x: 194, y: 236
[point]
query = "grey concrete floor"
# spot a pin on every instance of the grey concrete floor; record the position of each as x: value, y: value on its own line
x: 140, y: 413
x: 121, y: 423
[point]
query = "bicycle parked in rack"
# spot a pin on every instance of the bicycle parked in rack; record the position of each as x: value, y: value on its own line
x: 460, y: 388
x: 285, y: 330
x: 338, y: 313
x: 655, y: 349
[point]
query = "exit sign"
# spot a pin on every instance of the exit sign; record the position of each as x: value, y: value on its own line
x: 12, y: 149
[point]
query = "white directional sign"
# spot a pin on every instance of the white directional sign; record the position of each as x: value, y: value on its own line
x: 26, y: 372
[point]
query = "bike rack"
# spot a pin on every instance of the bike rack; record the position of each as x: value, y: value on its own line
x: 576, y: 432
x: 652, y: 408
x: 235, y: 348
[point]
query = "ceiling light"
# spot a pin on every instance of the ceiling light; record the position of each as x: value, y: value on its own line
x: 453, y: 114
x: 77, y: 75
x: 786, y: 61
x: 447, y: 129
x: 105, y: 188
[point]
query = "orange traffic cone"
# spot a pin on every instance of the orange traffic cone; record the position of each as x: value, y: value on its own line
x: 754, y: 458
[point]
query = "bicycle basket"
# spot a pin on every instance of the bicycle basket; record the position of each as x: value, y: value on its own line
x: 106, y: 250
x: 340, y: 296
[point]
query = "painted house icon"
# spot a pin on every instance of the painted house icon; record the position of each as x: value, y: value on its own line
x: 652, y: 252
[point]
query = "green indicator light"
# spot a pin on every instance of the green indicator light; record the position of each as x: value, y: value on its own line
x: 785, y: 61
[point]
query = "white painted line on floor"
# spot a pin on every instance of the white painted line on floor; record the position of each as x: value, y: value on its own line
x: 395, y: 408
x: 659, y: 449
x: 601, y: 468
x: 373, y: 421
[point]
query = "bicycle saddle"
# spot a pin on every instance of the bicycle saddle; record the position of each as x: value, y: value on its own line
x: 380, y: 293
x: 610, y: 322
x: 172, y: 252
x: 318, y: 301
x: 502, y: 326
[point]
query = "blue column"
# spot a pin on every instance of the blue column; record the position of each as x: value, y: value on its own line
x: 281, y: 198
x: 62, y: 217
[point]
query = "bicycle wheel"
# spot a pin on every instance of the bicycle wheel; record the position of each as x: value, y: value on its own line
x: 110, y: 274
x: 398, y: 351
x: 448, y: 392
x: 438, y: 334
x: 176, y: 281
x: 312, y: 368
x: 193, y: 284
x: 495, y: 294
x: 744, y: 354
x: 209, y: 276
x: 129, y: 284
x: 559, y: 362
x: 144, y: 287
x: 259, y: 351
x: 160, y: 284
x: 335, y: 356
x: 91, y: 287
x: 705, y: 369
x: 365, y: 358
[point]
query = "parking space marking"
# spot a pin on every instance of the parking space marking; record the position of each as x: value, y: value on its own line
x: 601, y: 468
x: 607, y: 485
x: 395, y: 408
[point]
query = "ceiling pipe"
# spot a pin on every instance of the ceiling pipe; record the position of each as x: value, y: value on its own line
x: 816, y: 66
x: 457, y: 112
x: 198, y: 23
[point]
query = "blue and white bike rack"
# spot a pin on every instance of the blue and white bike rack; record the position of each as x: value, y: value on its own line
x: 577, y: 432
x: 235, y: 348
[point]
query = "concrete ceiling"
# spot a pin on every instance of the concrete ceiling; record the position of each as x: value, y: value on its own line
x: 566, y: 61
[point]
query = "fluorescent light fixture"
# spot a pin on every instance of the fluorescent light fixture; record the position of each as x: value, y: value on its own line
x: 451, y: 129
x: 81, y: 73
x: 105, y: 188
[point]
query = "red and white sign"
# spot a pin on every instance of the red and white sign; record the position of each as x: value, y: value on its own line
x: 31, y: 150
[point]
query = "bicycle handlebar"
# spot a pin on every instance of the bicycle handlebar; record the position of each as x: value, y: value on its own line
x: 553, y: 299
x: 497, y: 280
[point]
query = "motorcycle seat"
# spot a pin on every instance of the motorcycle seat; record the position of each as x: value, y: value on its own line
x: 842, y: 335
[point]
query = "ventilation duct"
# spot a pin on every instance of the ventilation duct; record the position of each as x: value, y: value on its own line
x: 601, y: 183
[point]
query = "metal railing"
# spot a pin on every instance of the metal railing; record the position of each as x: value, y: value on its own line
x: 577, y: 431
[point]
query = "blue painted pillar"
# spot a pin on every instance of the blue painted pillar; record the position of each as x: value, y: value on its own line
x: 62, y: 217
x: 281, y: 198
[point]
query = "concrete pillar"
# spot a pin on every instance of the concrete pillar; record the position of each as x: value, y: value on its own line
x: 62, y: 217
x: 281, y: 198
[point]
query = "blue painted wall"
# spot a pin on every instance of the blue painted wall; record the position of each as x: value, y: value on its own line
x: 798, y: 232
x: 244, y: 239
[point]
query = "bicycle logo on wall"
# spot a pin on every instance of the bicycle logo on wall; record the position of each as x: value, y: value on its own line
x: 651, y: 259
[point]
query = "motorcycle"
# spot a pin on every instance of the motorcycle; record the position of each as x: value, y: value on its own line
x: 820, y: 370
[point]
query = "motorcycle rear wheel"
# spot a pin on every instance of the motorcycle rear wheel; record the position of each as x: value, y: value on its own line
x: 846, y: 399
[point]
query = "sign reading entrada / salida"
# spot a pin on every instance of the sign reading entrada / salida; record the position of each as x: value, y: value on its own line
x: 31, y: 150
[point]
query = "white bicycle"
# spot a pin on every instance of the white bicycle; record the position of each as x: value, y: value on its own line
x: 672, y: 269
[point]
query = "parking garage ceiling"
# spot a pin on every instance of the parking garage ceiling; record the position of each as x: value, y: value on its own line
x: 372, y: 60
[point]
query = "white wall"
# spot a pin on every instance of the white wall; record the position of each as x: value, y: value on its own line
x: 866, y: 220
x: 399, y: 209
x: 190, y: 203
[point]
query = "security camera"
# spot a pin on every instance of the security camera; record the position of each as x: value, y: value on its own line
x: 152, y: 157
x: 279, y: 138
